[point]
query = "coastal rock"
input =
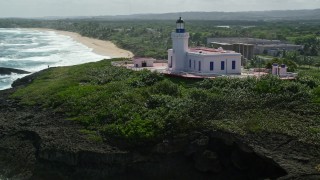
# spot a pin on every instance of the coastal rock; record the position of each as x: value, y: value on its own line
x: 208, y: 162
x: 27, y: 79
x: 8, y: 71
x: 177, y: 144
x: 18, y: 151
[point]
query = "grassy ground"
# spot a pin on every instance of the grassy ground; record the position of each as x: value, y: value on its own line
x: 114, y: 102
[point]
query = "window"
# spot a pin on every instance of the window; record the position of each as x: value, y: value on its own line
x: 211, y: 66
x: 222, y: 65
x: 194, y: 64
x: 199, y: 65
x: 190, y: 63
x: 233, y: 64
x: 170, y: 66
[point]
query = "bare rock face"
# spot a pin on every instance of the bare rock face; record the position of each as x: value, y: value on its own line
x: 208, y: 161
x: 18, y: 151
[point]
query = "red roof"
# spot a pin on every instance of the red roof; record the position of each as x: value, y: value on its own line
x: 205, y: 50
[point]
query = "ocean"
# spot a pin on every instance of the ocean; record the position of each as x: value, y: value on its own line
x: 33, y: 50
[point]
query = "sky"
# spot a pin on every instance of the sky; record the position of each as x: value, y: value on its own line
x: 44, y: 8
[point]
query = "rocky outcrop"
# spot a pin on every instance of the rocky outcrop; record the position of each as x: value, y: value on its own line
x: 27, y: 79
x: 20, y: 150
x: 8, y: 71
x: 221, y: 155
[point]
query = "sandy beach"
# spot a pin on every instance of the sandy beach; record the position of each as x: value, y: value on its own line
x: 104, y: 48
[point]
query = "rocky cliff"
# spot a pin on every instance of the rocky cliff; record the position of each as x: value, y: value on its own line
x: 38, y: 143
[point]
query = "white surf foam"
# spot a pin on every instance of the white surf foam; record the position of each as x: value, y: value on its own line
x: 45, y: 49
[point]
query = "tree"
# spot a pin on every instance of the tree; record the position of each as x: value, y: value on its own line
x: 317, y: 65
x: 313, y: 51
x: 308, y: 60
x: 294, y: 56
x: 292, y: 66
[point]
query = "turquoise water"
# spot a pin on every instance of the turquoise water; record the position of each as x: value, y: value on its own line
x: 33, y: 50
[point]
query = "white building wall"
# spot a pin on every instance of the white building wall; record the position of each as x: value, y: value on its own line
x: 283, y: 71
x: 180, y: 49
x: 216, y: 59
x: 138, y: 62
x: 170, y: 58
x: 275, y: 68
x: 150, y: 63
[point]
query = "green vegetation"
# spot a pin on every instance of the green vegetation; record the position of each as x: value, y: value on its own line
x: 141, y: 106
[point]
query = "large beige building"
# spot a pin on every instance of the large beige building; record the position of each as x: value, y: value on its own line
x: 249, y: 47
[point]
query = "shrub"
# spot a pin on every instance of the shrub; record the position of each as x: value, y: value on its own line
x: 308, y: 81
x: 137, y: 129
x: 155, y: 101
x: 316, y: 95
x: 146, y: 78
x: 268, y: 84
x: 166, y: 87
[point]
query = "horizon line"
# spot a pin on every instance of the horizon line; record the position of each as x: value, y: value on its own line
x: 75, y: 16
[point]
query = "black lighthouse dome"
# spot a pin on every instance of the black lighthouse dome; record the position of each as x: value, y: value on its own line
x: 180, y: 26
x: 180, y: 20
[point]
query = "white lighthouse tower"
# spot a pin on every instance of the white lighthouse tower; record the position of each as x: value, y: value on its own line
x: 178, y: 55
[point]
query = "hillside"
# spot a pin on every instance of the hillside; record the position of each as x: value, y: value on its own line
x: 249, y: 16
x: 97, y: 121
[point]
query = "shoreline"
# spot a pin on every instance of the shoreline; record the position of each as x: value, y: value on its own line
x: 100, y: 47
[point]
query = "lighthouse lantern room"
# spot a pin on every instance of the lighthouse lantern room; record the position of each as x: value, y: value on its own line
x: 180, y: 26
